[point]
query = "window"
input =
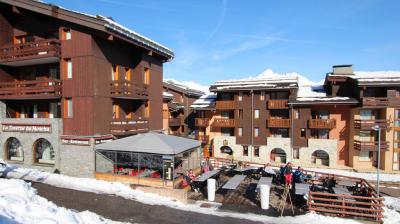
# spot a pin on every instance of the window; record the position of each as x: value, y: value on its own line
x: 128, y: 74
x: 365, y: 114
x: 245, y: 150
x: 240, y: 96
x: 55, y: 110
x: 296, y: 153
x: 114, y: 73
x: 69, y: 68
x: 240, y: 131
x: 240, y: 113
x: 296, y: 114
x: 67, y: 34
x: 14, y: 149
x: 256, y: 151
x: 44, y: 152
x: 227, y: 131
x: 225, y: 114
x: 364, y: 156
x: 115, y: 111
x: 68, y: 108
x: 256, y: 132
x: 320, y: 133
x: 303, y: 133
x: 147, y: 109
x: 256, y: 114
x: 262, y: 96
x: 146, y: 78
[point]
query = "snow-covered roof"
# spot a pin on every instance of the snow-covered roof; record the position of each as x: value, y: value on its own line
x: 205, y: 102
x: 167, y: 95
x: 111, y: 26
x: 190, y: 88
x: 316, y: 94
x: 372, y: 77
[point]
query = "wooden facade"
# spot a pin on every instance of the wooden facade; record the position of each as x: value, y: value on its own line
x: 101, y: 82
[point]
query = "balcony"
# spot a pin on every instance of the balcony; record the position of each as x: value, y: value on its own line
x: 278, y: 104
x: 375, y: 102
x: 128, y: 127
x: 369, y: 124
x: 128, y: 90
x: 278, y: 123
x: 43, y: 89
x: 225, y: 105
x: 201, y: 122
x: 224, y: 123
x: 370, y: 145
x: 36, y: 52
x: 203, y: 138
x: 174, y: 122
x: 322, y: 123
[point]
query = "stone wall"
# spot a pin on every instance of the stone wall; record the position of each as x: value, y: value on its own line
x: 28, y: 139
x: 78, y: 161
x: 327, y: 145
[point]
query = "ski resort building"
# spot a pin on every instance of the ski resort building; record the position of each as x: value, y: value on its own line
x: 178, y: 117
x: 276, y: 119
x: 69, y: 81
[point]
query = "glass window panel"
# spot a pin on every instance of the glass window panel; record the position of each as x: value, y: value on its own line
x: 150, y: 166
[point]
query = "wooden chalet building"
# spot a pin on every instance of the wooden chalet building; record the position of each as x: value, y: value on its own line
x: 68, y: 81
x: 179, y: 118
x: 286, y: 118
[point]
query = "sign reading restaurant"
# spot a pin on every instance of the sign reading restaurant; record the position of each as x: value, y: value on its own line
x: 27, y: 128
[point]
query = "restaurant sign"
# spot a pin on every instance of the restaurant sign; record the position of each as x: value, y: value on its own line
x: 71, y: 141
x: 27, y: 128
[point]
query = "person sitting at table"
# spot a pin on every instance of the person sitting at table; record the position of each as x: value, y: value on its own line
x: 191, y: 174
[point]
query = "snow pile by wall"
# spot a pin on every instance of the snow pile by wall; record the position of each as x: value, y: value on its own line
x: 19, y: 203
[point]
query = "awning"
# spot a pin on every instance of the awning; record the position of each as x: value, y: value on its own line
x: 154, y: 143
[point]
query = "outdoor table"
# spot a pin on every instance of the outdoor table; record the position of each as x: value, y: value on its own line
x: 244, y: 169
x: 302, y: 189
x: 205, y: 176
x: 263, y: 181
x: 234, y: 182
x: 341, y: 190
x: 346, y: 183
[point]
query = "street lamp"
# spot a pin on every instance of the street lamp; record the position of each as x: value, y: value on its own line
x: 377, y: 128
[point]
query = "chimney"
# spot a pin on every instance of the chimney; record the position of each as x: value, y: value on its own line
x: 343, y: 70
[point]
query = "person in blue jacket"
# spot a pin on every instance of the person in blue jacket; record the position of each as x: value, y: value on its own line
x: 298, y: 176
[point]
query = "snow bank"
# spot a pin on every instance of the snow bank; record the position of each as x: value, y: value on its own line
x: 103, y: 187
x: 19, y: 203
x: 367, y: 176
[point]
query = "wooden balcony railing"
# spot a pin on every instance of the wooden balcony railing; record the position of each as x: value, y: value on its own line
x: 42, y: 89
x: 369, y: 124
x: 278, y: 104
x: 224, y: 123
x: 370, y: 145
x: 203, y: 138
x: 173, y: 122
x: 278, y: 123
x: 128, y: 89
x: 201, y: 122
x: 128, y: 127
x: 225, y: 105
x: 322, y: 123
x: 30, y: 50
x: 375, y: 102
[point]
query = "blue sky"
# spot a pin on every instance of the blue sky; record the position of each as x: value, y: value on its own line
x: 226, y: 39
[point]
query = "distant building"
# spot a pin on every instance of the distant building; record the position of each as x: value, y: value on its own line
x: 71, y: 80
x: 178, y: 116
x: 285, y: 118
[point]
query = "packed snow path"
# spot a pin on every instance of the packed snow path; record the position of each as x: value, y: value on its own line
x: 124, y: 210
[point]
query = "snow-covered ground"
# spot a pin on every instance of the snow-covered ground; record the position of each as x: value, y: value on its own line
x: 103, y: 187
x: 19, y: 203
x: 367, y: 176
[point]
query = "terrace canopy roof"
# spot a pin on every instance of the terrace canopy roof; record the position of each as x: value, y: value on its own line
x: 154, y: 143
